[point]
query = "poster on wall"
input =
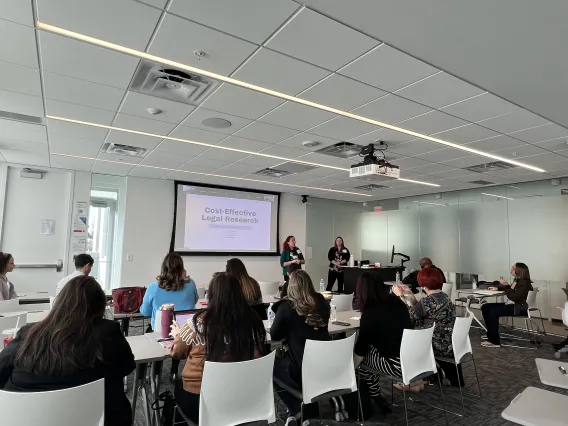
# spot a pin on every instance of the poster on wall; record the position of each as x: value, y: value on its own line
x: 47, y: 226
x: 79, y: 231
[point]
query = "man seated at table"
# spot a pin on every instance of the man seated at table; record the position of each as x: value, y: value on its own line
x: 83, y: 265
x: 412, y: 279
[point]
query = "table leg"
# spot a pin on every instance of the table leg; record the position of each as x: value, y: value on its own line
x: 139, y: 374
x: 156, y: 379
x: 125, y: 324
x: 467, y: 306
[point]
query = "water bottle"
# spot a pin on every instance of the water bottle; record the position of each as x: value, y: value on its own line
x: 474, y: 284
x: 333, y: 313
x: 322, y: 286
x: 270, y: 314
x: 397, y: 279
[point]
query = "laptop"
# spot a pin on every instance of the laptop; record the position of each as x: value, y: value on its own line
x: 182, y: 317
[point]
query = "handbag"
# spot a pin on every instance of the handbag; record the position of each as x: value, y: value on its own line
x: 167, y: 403
x: 127, y: 300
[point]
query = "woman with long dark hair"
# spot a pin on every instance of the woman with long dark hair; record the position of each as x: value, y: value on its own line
x: 290, y: 254
x: 6, y: 287
x: 302, y: 315
x: 517, y: 293
x: 338, y: 257
x: 72, y: 346
x: 250, y: 287
x: 227, y: 331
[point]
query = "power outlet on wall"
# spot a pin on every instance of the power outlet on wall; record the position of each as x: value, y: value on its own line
x: 129, y: 256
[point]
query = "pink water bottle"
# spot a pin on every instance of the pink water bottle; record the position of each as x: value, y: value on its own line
x: 167, y: 319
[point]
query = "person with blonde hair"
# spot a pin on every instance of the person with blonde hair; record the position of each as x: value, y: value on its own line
x: 302, y: 315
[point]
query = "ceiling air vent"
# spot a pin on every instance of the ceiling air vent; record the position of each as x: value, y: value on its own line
x: 371, y: 187
x: 481, y: 182
x: 124, y: 150
x: 172, y: 84
x: 275, y: 173
x: 21, y: 117
x: 341, y: 150
x: 494, y: 166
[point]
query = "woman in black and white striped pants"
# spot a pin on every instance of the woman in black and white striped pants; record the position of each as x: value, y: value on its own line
x: 383, y: 365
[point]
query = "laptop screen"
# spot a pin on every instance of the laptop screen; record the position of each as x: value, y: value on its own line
x: 183, y: 316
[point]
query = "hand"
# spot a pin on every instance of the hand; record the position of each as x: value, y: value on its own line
x: 504, y: 282
x: 398, y: 290
x: 296, y: 260
x: 175, y: 329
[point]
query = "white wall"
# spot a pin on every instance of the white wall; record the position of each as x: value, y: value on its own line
x: 147, y: 235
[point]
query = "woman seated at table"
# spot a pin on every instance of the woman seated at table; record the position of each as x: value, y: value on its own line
x: 72, y: 346
x: 435, y: 308
x: 383, y: 320
x: 249, y: 285
x: 6, y: 287
x: 517, y: 294
x: 303, y: 315
x: 227, y: 331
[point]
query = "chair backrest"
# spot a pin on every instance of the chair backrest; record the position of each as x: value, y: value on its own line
x: 158, y: 321
x: 12, y: 305
x: 531, y: 299
x: 447, y: 288
x: 343, y: 302
x: 269, y: 288
x: 11, y: 322
x: 565, y: 290
x: 327, y: 366
x: 233, y: 393
x: 201, y: 292
x: 51, y: 302
x: 565, y: 314
x: 55, y: 408
x: 460, y: 338
x: 416, y: 353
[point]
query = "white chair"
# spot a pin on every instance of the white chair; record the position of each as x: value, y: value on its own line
x: 12, y: 305
x: 52, y: 300
x: 83, y: 405
x: 532, y: 307
x: 565, y: 321
x: 461, y: 346
x: 317, y: 382
x: 201, y: 292
x: 236, y: 393
x: 269, y: 288
x: 12, y: 323
x: 342, y: 302
x: 447, y: 288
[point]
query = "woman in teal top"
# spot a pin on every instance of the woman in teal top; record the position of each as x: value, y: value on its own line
x: 290, y: 254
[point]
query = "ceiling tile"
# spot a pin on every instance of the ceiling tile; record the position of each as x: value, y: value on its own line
x: 279, y: 72
x: 415, y: 147
x: 147, y: 172
x: 555, y: 145
x: 78, y: 112
x: 202, y: 161
x: 23, y: 131
x: 85, y: 61
x: 182, y: 148
x: 19, y: 78
x: 18, y: 44
x: 431, y: 168
x: 298, y: 140
x: 164, y: 159
x: 200, y: 114
x: 453, y: 173
x: 296, y: 116
x: 557, y: 165
x: 242, y: 102
x: 411, y: 163
x: 341, y: 92
x: 160, y: 4
x: 444, y: 154
x: 464, y: 134
x: 320, y: 40
x: 467, y: 161
x: 244, y: 144
x: 258, y: 163
x: 222, y: 155
x: 439, y: 90
x: 127, y: 23
x: 21, y: 103
x: 68, y: 89
x: 480, y: 107
x: 543, y: 160
x: 265, y: 132
x: 25, y: 158
x: 343, y: 128
x: 253, y: 20
x: 386, y: 135
x: 387, y: 68
x: 541, y: 133
x: 172, y: 112
x: 197, y: 135
x: 178, y: 38
x: 71, y: 163
x: 233, y: 173
x: 72, y: 130
x: 119, y: 159
x: 518, y: 152
x: 284, y: 151
x: 137, y: 123
x: 495, y: 143
x: 19, y: 145
x: 115, y: 169
x: 188, y: 176
x: 17, y: 11
x: 239, y: 167
x: 74, y: 146
x: 391, y: 109
x: 432, y: 122
x: 514, y: 121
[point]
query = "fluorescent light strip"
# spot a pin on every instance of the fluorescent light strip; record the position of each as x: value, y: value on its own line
x: 432, y: 204
x: 230, y: 80
x: 211, y: 174
x: 497, y: 196
x: 260, y: 154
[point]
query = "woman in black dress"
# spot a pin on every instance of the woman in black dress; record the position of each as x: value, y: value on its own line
x: 338, y: 256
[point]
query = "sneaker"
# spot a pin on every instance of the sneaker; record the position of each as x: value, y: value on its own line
x: 488, y: 344
x: 291, y: 421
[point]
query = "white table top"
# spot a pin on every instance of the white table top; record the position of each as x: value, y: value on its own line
x: 34, y: 296
x: 550, y: 374
x: 267, y: 300
x: 33, y: 316
x: 146, y: 349
x: 537, y: 407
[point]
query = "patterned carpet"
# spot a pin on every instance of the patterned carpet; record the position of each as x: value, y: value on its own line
x: 504, y: 372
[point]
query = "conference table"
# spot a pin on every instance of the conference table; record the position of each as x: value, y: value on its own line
x: 33, y: 298
x: 476, y: 296
x: 351, y: 317
x: 351, y: 275
x: 32, y: 317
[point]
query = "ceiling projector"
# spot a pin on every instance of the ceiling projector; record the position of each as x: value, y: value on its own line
x: 374, y: 167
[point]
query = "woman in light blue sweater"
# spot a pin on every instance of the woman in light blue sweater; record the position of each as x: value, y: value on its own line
x: 171, y: 286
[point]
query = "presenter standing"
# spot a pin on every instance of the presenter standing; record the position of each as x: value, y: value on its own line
x: 290, y: 254
x: 338, y: 256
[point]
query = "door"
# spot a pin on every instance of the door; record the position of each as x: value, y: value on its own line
x: 102, y: 220
x: 35, y: 227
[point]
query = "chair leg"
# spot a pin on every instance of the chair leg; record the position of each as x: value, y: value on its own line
x: 461, y: 391
x: 405, y: 409
x: 443, y: 401
x: 476, y: 375
x: 302, y: 413
x: 542, y: 322
x: 392, y: 392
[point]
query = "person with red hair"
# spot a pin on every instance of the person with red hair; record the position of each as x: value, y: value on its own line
x: 290, y: 254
